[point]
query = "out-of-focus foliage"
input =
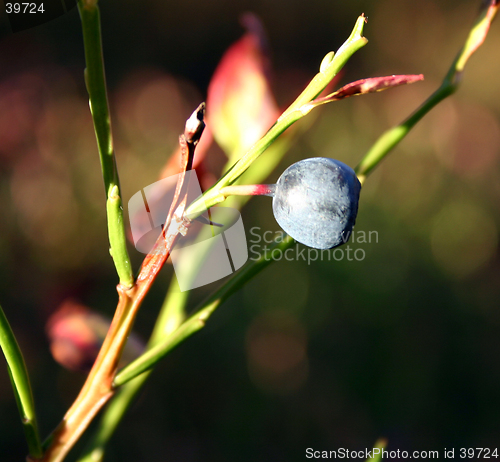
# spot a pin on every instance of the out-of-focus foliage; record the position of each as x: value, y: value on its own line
x: 76, y: 334
x: 401, y: 341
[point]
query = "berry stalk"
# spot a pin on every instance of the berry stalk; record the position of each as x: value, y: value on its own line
x: 249, y: 190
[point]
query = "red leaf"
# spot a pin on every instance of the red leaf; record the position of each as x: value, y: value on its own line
x: 363, y: 86
x: 76, y: 334
x: 240, y: 104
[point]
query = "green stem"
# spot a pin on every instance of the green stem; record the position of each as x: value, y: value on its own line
x: 21, y: 384
x: 152, y: 356
x: 394, y: 135
x: 198, y: 320
x: 96, y: 87
x: 389, y: 139
x: 164, y: 339
x: 111, y: 418
x: 380, y: 445
x: 168, y: 330
x: 329, y: 68
x: 170, y: 317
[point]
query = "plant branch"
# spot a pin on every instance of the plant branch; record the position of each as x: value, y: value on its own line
x: 110, y: 419
x: 380, y: 445
x: 19, y: 378
x: 96, y: 86
x: 330, y: 67
x: 170, y: 317
x: 98, y: 387
x: 393, y: 136
x: 199, y: 319
x: 169, y: 320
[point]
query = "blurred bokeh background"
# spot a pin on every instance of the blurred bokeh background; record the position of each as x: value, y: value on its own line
x: 403, y: 343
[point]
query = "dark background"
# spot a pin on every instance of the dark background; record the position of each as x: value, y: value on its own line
x: 404, y: 344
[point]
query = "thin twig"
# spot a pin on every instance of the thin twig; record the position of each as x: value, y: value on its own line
x: 392, y: 137
x: 98, y: 387
x: 95, y: 79
x: 21, y: 385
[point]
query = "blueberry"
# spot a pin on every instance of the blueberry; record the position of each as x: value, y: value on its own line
x: 316, y: 201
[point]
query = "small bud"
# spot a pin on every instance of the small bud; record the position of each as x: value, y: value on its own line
x: 195, y: 125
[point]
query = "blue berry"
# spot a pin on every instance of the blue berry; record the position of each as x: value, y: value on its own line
x: 316, y: 201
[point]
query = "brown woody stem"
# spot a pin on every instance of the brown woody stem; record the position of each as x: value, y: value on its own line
x: 98, y: 387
